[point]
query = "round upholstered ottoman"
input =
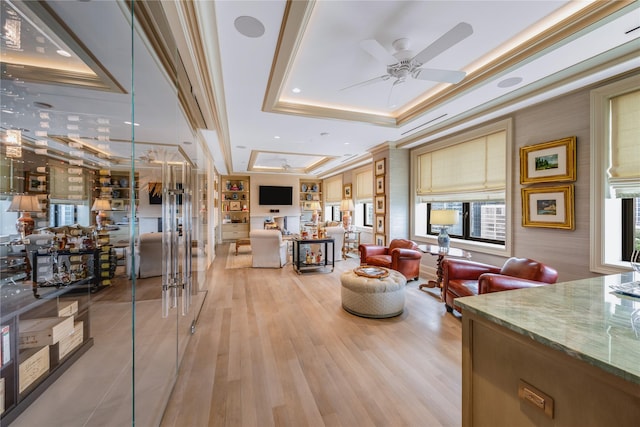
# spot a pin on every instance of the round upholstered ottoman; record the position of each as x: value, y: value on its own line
x: 373, y: 297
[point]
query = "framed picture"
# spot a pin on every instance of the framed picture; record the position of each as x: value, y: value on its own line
x: 36, y: 183
x: 380, y: 224
x: 380, y: 184
x: 379, y: 167
x: 380, y: 240
x: 117, y: 205
x: 234, y: 206
x: 379, y: 208
x: 550, y: 207
x: 553, y: 161
x: 346, y: 191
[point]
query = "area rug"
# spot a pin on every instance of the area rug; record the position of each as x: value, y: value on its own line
x: 242, y: 260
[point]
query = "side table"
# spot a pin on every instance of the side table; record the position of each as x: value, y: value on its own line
x: 436, y: 250
x: 300, y: 246
x: 351, y: 242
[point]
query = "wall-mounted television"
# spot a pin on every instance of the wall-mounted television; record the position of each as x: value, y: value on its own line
x: 275, y: 195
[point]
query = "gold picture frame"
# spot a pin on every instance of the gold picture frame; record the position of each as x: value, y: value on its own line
x: 36, y: 183
x: 380, y: 240
x: 553, y: 161
x: 380, y: 224
x: 548, y: 207
x: 346, y: 191
x: 234, y: 206
x: 379, y: 205
x: 380, y: 184
x: 379, y: 167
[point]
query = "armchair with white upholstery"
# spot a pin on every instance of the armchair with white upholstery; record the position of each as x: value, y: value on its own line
x: 148, y: 256
x: 337, y: 233
x: 267, y: 248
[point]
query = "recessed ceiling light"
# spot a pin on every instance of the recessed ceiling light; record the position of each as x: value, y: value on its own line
x: 249, y: 26
x: 129, y: 123
x: 187, y: 142
x: 42, y: 105
x: 296, y: 90
x: 347, y: 143
x: 511, y: 81
x: 324, y: 133
x: 276, y: 137
x: 63, y: 52
x: 242, y: 147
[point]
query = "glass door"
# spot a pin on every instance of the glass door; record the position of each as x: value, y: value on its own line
x: 102, y: 182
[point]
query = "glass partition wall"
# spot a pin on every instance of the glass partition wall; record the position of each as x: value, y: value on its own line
x: 103, y: 218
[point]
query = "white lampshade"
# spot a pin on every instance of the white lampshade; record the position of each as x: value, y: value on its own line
x: 101, y: 205
x: 315, y: 206
x: 444, y: 217
x: 346, y: 205
x: 24, y: 203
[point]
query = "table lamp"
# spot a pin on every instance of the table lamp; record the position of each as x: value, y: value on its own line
x: 443, y: 218
x: 315, y: 207
x: 25, y: 203
x: 101, y: 205
x: 346, y: 206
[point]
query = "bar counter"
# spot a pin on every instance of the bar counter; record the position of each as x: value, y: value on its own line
x: 574, y: 345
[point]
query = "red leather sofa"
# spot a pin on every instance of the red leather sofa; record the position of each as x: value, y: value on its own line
x: 463, y: 278
x: 401, y: 255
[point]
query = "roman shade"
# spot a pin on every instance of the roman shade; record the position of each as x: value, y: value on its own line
x: 364, y: 185
x: 333, y: 189
x: 624, y: 171
x: 471, y: 170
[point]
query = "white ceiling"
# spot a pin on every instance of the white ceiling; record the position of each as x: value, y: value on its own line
x: 261, y: 125
x: 324, y: 56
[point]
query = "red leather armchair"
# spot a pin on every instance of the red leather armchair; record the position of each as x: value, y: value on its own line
x: 463, y: 278
x: 401, y: 255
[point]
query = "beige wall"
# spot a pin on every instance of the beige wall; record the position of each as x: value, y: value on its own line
x: 565, y: 250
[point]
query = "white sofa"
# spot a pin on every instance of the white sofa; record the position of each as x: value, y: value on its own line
x: 268, y: 249
x: 337, y: 233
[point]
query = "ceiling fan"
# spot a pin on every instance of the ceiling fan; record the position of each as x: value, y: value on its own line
x: 403, y: 64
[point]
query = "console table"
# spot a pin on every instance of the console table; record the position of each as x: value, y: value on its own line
x: 436, y: 250
x: 300, y: 248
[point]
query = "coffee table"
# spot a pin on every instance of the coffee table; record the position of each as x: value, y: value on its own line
x: 242, y: 242
x: 436, y: 250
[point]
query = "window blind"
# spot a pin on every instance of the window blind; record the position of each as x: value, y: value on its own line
x: 333, y: 189
x: 364, y: 185
x: 471, y: 170
x: 624, y: 171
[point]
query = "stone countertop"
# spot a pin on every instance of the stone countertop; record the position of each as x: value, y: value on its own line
x: 583, y: 318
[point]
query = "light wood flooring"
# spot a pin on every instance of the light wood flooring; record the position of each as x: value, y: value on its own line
x: 273, y: 348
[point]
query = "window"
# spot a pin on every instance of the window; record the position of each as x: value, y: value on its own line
x: 332, y: 213
x: 481, y: 221
x: 615, y: 174
x: 478, y: 190
x: 61, y: 214
x: 363, y: 198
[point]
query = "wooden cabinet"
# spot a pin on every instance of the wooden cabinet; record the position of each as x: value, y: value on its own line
x: 116, y: 187
x: 234, y: 206
x: 310, y: 199
x: 235, y: 231
x: 56, y: 316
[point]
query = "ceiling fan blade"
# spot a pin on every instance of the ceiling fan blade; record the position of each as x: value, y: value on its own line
x: 447, y: 40
x: 434, y: 75
x: 376, y: 50
x: 368, y: 82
